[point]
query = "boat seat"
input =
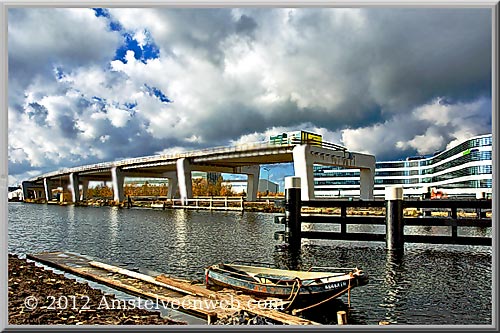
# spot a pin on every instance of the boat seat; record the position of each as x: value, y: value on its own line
x: 266, y: 278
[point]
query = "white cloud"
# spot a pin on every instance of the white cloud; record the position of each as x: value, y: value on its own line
x: 364, y: 78
x: 118, y: 117
x: 426, y: 143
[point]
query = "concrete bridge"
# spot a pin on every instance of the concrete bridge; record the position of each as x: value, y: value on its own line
x: 177, y: 168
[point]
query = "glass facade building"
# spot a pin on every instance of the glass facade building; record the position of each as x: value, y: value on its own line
x: 463, y: 170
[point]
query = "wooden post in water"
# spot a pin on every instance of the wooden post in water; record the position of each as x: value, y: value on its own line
x: 292, y: 210
x: 343, y: 215
x: 341, y: 317
x: 394, y: 231
x: 454, y: 228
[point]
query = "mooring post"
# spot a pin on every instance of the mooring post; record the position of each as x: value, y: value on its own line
x: 341, y: 317
x: 343, y: 215
x: 454, y: 228
x: 292, y: 210
x: 394, y: 231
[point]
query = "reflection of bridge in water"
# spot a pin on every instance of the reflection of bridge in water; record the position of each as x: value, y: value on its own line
x: 177, y: 168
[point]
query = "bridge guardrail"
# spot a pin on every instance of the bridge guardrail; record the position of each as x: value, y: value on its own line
x: 163, y: 157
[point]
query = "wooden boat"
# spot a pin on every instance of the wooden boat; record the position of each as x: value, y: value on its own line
x: 295, y: 286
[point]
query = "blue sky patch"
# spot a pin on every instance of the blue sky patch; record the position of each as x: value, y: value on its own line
x: 148, y: 51
x: 101, y: 12
x: 130, y: 105
x: 115, y: 26
x: 153, y: 91
x: 104, y: 12
x: 59, y: 72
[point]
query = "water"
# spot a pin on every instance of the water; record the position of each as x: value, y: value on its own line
x: 428, y: 285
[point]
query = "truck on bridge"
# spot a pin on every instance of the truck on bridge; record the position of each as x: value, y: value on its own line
x: 297, y: 137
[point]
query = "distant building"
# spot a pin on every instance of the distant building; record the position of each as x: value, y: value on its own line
x: 136, y: 181
x: 464, y: 170
x: 143, y: 181
x: 15, y: 195
x: 266, y: 185
x: 240, y: 185
x: 211, y: 177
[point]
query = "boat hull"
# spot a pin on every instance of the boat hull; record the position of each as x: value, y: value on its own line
x: 313, y: 292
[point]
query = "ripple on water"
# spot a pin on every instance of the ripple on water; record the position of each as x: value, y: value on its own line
x: 436, y: 285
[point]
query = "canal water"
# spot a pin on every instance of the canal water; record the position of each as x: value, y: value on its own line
x: 427, y: 285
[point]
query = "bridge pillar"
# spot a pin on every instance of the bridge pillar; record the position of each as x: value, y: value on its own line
x: 303, y: 166
x: 48, y: 189
x: 35, y: 188
x: 75, y: 187
x: 172, y: 183
x: 366, y: 183
x: 117, y: 179
x: 253, y: 173
x: 184, y: 179
x: 24, y: 187
x: 85, y: 188
x: 172, y: 187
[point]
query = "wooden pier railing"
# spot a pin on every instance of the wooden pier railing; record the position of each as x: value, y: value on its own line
x: 211, y: 203
x: 389, y: 212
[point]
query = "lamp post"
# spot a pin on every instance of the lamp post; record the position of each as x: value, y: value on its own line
x: 267, y: 184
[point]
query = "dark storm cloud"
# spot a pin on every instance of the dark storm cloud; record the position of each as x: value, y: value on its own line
x: 38, y: 113
x: 41, y: 39
x: 246, y: 25
x: 379, y: 79
x: 421, y: 54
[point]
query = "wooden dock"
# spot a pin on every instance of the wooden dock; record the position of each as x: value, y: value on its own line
x: 183, y: 295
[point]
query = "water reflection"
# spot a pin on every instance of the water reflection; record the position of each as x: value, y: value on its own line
x: 71, y: 213
x: 113, y: 228
x: 180, y: 233
x: 395, y: 285
x: 288, y: 257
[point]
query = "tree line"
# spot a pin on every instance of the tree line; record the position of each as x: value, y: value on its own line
x: 201, y: 187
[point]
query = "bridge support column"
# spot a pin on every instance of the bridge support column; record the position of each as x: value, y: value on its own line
x: 85, y: 188
x: 253, y: 173
x: 74, y: 187
x: 117, y: 179
x: 47, y: 188
x: 303, y: 166
x: 184, y: 179
x: 172, y: 183
x: 36, y: 189
x: 172, y: 187
x: 366, y: 184
x: 24, y: 187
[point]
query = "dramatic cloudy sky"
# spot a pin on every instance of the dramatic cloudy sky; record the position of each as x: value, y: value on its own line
x: 91, y: 85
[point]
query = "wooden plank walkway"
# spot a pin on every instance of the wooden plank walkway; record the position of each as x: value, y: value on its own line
x: 180, y: 294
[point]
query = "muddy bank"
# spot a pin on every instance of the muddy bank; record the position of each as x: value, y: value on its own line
x: 42, y: 297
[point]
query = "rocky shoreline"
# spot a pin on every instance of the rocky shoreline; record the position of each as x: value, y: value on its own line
x: 42, y: 297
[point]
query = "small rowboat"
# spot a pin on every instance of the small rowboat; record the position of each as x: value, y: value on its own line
x: 299, y: 287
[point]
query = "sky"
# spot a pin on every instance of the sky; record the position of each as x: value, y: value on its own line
x: 89, y: 85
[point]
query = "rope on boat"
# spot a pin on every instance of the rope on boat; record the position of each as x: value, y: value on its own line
x: 351, y: 276
x: 297, y: 282
x: 348, y: 289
